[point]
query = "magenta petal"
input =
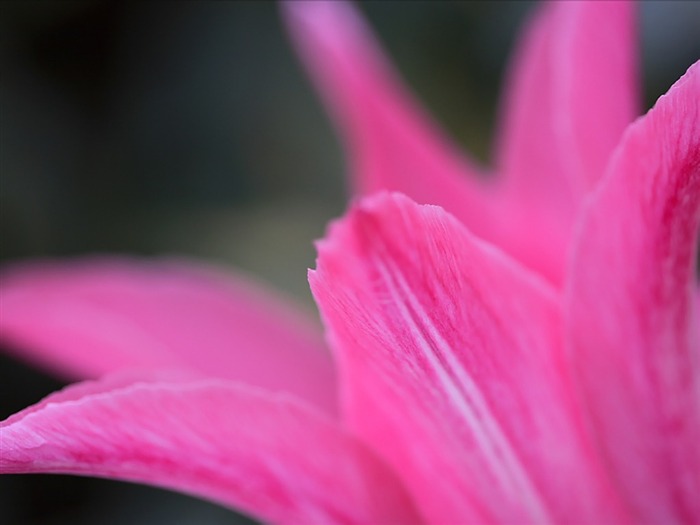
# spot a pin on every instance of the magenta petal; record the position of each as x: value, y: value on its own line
x: 451, y: 367
x: 571, y: 93
x: 91, y: 317
x: 391, y: 142
x: 633, y: 324
x: 264, y: 454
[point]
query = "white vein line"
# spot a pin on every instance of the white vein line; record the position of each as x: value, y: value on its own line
x: 467, y: 398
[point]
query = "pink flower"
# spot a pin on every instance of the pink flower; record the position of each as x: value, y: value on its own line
x: 527, y: 351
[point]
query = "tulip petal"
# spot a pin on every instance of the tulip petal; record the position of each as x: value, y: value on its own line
x: 392, y: 144
x: 91, y: 317
x: 451, y: 367
x: 265, y: 454
x: 632, y: 320
x: 572, y: 91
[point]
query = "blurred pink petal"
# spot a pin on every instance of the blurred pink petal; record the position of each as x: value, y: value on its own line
x: 633, y: 325
x: 391, y: 142
x: 452, y: 363
x: 90, y: 317
x: 571, y: 93
x: 265, y: 454
x: 560, y: 122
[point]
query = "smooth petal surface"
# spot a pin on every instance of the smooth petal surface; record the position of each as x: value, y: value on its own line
x: 265, y: 454
x: 391, y: 143
x: 451, y: 367
x: 91, y: 317
x: 570, y: 93
x: 633, y: 325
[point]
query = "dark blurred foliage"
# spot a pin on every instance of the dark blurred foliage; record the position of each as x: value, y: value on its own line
x: 188, y: 127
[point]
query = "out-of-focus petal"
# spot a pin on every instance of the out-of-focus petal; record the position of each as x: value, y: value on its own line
x: 392, y: 145
x: 90, y: 317
x: 264, y: 454
x: 391, y: 142
x: 632, y: 321
x: 571, y: 93
x: 451, y: 367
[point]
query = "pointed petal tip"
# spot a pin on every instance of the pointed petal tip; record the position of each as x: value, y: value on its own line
x: 317, y: 11
x: 335, y: 25
x: 359, y: 217
x: 357, y: 207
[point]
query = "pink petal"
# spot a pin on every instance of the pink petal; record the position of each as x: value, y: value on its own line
x: 452, y: 368
x: 261, y: 453
x: 91, y: 317
x: 571, y: 93
x: 391, y: 142
x: 633, y: 325
x: 105, y: 384
x: 393, y: 145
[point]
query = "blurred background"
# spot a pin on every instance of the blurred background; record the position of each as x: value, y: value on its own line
x: 189, y: 128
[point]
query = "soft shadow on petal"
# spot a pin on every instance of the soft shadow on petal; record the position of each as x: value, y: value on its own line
x: 632, y: 321
x: 85, y: 318
x: 267, y: 455
x: 452, y: 367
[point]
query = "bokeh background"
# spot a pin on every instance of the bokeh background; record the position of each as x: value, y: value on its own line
x: 189, y: 128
